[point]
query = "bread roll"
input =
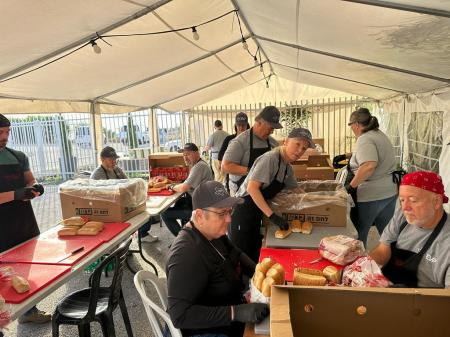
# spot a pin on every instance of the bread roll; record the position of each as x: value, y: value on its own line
x: 266, y: 286
x: 332, y: 274
x: 258, y: 279
x: 265, y: 265
x: 94, y: 224
x: 309, y: 271
x: 281, y: 234
x: 307, y: 227
x: 277, y: 273
x: 74, y: 221
x: 296, y: 226
x: 87, y: 231
x: 154, y: 189
x: 20, y: 284
x: 160, y: 184
x: 68, y: 231
x: 302, y: 279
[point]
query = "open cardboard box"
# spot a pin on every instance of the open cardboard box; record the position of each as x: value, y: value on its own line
x: 315, y: 167
x: 166, y: 159
x: 342, y: 311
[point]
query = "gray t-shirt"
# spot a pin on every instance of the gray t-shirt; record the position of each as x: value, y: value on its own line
x: 264, y: 170
x: 100, y: 173
x: 7, y: 158
x: 199, y: 173
x: 434, y: 268
x: 238, y: 151
x: 215, y: 142
x: 375, y: 146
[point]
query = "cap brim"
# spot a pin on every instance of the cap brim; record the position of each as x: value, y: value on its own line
x: 276, y: 125
x: 312, y: 145
x: 228, y: 202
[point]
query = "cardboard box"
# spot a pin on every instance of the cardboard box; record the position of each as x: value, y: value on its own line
x: 369, y: 312
x: 324, y: 213
x: 165, y: 159
x: 315, y: 167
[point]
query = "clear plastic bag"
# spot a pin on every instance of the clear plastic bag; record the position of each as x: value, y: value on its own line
x: 341, y: 249
x: 364, y: 272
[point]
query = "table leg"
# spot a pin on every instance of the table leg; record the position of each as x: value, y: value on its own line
x: 139, y: 251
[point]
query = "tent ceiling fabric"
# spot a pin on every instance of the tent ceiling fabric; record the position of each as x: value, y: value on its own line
x: 175, y: 72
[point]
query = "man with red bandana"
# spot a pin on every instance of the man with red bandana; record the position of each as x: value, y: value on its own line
x: 414, y: 248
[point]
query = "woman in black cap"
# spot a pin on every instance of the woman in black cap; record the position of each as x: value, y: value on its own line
x: 240, y: 125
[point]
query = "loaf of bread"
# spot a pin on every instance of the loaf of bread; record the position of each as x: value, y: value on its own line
x: 87, y: 231
x: 258, y: 279
x: 68, y: 231
x: 281, y: 234
x: 20, y: 284
x: 265, y: 265
x: 332, y: 274
x: 94, y: 224
x: 307, y: 227
x: 296, y: 226
x: 303, y: 279
x: 74, y: 221
x: 266, y: 287
x: 154, y: 189
x: 309, y: 271
x: 277, y: 273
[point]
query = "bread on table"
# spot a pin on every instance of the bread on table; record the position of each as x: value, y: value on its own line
x: 74, y: 221
x: 265, y: 265
x: 87, y: 231
x: 281, y: 234
x: 94, y: 224
x: 154, y: 189
x: 68, y: 231
x: 258, y: 279
x: 304, y: 279
x: 332, y: 274
x: 296, y: 226
x: 309, y: 271
x: 20, y: 284
x: 307, y: 227
x: 266, y: 286
x: 277, y: 273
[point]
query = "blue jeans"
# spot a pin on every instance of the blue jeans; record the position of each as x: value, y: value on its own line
x: 180, y: 211
x: 377, y: 213
x: 166, y: 333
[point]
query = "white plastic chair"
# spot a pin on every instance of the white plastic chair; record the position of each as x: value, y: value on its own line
x: 152, y: 309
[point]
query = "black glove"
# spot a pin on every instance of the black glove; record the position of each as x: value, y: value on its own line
x: 24, y: 193
x: 251, y: 312
x: 38, y: 188
x: 279, y: 221
x: 350, y: 189
x: 338, y: 159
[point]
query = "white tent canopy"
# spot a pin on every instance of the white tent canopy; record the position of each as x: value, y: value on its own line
x: 362, y: 48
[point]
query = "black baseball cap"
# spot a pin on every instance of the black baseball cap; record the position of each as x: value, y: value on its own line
x: 213, y: 194
x: 109, y: 152
x: 302, y: 133
x: 271, y: 115
x: 241, y: 118
x: 189, y: 147
x: 4, y: 122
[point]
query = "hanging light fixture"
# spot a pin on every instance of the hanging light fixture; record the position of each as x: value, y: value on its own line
x: 256, y: 60
x: 195, y: 35
x: 244, y: 44
x: 267, y: 84
x: 96, y: 47
x: 261, y: 68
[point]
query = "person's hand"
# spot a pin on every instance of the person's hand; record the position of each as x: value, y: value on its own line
x: 251, y: 312
x: 279, y: 221
x: 38, y: 188
x: 24, y: 193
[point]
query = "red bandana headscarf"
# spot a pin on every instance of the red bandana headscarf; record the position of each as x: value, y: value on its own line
x: 426, y: 180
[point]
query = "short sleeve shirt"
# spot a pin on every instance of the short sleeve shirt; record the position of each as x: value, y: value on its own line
x: 434, y: 268
x: 264, y: 170
x: 198, y: 174
x: 215, y: 142
x: 7, y: 158
x: 101, y: 173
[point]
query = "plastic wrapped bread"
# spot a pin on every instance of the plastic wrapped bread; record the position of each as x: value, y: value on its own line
x: 20, y: 284
x: 341, y: 249
x: 364, y: 272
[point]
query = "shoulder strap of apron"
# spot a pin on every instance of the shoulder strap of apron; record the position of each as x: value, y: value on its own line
x: 433, y: 235
x: 279, y: 165
x: 106, y: 172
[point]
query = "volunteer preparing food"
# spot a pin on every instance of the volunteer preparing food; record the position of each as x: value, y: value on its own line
x: 204, y: 271
x: 269, y: 175
x: 372, y: 163
x: 414, y: 248
x: 249, y: 145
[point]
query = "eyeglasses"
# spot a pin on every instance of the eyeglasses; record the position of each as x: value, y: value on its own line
x: 221, y: 214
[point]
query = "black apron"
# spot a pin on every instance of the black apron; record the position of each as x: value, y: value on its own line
x: 18, y: 220
x: 106, y: 173
x: 401, y: 268
x: 246, y: 220
x: 254, y: 154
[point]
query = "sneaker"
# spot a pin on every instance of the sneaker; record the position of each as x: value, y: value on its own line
x: 37, y: 316
x: 149, y: 238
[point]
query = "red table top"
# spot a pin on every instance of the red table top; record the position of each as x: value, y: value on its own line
x: 38, y: 277
x: 164, y: 192
x: 293, y: 258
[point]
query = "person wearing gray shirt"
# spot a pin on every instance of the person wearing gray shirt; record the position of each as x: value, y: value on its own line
x: 373, y: 186
x: 249, y: 145
x: 214, y: 144
x: 182, y: 209
x: 270, y: 173
x: 414, y: 248
x: 108, y: 169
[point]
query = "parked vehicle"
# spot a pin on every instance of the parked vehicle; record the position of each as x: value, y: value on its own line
x: 142, y: 137
x: 83, y: 136
x: 173, y: 145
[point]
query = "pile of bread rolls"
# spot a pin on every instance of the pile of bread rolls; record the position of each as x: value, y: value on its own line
x: 157, y: 184
x: 78, y: 225
x: 296, y: 226
x: 19, y: 283
x: 315, y: 277
x: 268, y: 273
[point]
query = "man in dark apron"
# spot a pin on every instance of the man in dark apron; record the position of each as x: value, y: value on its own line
x: 205, y: 271
x: 414, y: 248
x: 249, y: 145
x: 17, y: 188
x: 269, y: 175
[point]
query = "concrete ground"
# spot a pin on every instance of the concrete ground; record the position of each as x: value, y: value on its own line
x: 48, y: 213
